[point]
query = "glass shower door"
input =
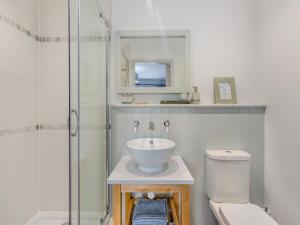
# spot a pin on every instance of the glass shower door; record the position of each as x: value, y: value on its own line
x: 88, y: 159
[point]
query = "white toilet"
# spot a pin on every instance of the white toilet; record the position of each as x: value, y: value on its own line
x: 228, y: 184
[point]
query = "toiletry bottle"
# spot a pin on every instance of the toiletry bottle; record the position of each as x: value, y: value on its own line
x: 195, y: 96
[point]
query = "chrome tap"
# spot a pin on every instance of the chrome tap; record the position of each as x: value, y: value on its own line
x: 136, y: 125
x: 151, y: 125
x: 167, y: 125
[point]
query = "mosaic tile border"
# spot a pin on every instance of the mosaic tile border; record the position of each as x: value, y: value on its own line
x: 65, y: 127
x: 27, y: 129
x: 11, y: 22
x: 31, y: 128
x: 14, y: 24
x: 53, y: 127
x: 66, y: 39
x: 53, y: 39
x: 18, y: 130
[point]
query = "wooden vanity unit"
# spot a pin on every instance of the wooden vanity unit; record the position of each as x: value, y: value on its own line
x: 126, y: 179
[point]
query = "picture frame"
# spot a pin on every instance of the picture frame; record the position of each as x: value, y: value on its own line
x: 224, y: 90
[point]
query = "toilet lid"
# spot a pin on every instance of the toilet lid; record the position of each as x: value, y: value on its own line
x: 244, y: 214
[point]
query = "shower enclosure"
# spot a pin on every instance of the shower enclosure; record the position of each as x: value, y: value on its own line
x: 89, y: 39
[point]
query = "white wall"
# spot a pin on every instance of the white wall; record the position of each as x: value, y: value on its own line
x: 19, y: 178
x: 222, y: 34
x: 279, y: 70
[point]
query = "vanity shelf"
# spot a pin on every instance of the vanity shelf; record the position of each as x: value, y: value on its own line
x: 176, y: 179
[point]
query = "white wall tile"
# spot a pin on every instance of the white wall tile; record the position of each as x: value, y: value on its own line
x: 19, y: 162
x: 54, y: 170
x: 19, y: 79
x: 22, y: 11
x: 19, y: 103
x: 19, y: 54
x: 19, y: 173
x: 54, y: 18
x: 54, y: 83
x: 54, y: 105
x: 19, y: 97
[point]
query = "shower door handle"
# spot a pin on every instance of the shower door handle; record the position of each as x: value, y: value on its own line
x: 74, y: 112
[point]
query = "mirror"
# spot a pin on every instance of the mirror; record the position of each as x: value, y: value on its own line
x: 152, y: 61
x: 151, y: 73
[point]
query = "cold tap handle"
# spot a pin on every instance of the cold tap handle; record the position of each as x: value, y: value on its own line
x: 136, y: 125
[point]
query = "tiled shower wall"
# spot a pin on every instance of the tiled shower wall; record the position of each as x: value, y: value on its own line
x: 54, y: 94
x: 33, y: 108
x: 195, y: 130
x: 19, y: 79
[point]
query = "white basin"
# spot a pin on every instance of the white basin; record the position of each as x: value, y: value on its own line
x: 151, y: 154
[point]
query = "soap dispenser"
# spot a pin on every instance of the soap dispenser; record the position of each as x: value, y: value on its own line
x: 195, y: 96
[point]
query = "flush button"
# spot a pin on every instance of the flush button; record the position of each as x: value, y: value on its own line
x: 228, y: 151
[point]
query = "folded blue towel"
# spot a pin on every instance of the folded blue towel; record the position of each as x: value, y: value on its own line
x: 149, y: 223
x: 150, y: 212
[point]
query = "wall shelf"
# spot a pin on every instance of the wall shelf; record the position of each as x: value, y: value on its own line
x: 116, y: 106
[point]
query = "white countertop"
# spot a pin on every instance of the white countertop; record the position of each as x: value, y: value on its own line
x: 126, y: 173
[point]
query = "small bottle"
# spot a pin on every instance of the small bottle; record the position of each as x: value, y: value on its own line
x: 195, y: 96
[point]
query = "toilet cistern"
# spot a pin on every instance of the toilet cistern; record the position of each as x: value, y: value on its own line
x: 228, y: 189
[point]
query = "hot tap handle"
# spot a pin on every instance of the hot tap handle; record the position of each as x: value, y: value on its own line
x: 136, y: 125
x: 167, y: 125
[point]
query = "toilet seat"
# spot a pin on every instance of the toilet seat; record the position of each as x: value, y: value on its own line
x: 240, y: 214
x: 246, y: 214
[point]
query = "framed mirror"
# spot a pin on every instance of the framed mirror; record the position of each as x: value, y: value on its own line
x: 153, y: 61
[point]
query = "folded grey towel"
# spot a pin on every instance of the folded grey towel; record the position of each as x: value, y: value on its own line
x: 150, y: 212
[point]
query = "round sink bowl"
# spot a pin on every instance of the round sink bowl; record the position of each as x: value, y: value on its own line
x: 151, y: 154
